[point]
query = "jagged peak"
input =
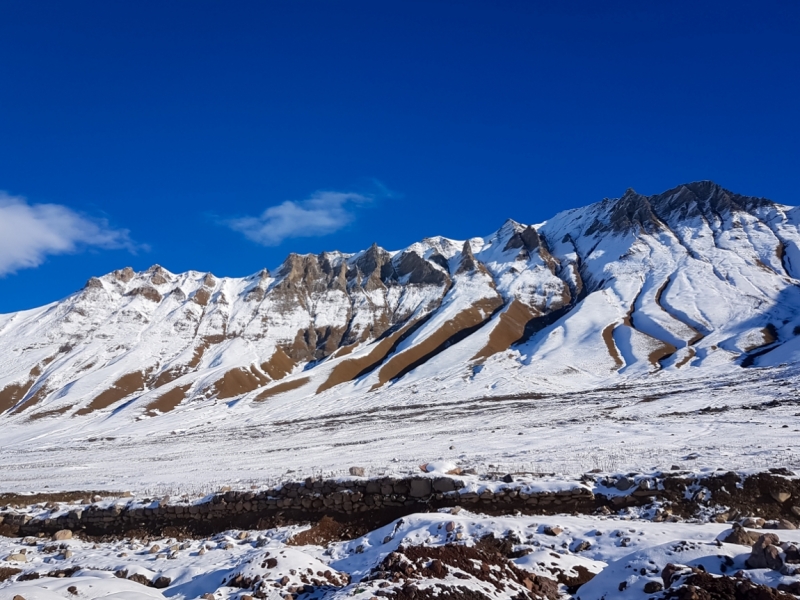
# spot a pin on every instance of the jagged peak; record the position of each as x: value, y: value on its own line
x: 467, y: 262
x: 526, y: 237
x: 634, y: 211
x: 509, y: 227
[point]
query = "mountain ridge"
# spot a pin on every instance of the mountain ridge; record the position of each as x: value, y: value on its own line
x: 619, y: 288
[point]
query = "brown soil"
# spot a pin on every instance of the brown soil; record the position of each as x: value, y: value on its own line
x: 166, y: 377
x: 350, y: 369
x: 239, y: 381
x: 664, y: 350
x: 704, y: 586
x: 689, y: 356
x: 279, y: 365
x: 769, y: 335
x: 483, y: 562
x: 326, y: 530
x: 509, y: 329
x: 12, y: 394
x: 169, y: 399
x: 43, y: 390
x: 41, y: 498
x: 345, y: 350
x: 41, y: 394
x: 286, y: 386
x: 49, y: 413
x: 123, y: 387
x: 474, y: 316
x: 201, y: 348
x: 8, y: 572
x: 697, y: 335
x: 608, y: 338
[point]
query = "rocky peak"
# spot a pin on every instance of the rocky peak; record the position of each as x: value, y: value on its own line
x: 468, y: 262
x: 124, y: 275
x: 373, y: 268
x: 700, y: 199
x: 299, y: 268
x: 704, y: 199
x: 209, y: 281
x: 633, y: 211
x: 159, y: 275
x: 527, y: 238
x: 417, y: 270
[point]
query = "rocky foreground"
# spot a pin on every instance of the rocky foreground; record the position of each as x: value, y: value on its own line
x: 676, y: 535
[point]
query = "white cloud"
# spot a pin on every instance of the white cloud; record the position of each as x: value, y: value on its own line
x: 321, y: 214
x: 31, y: 232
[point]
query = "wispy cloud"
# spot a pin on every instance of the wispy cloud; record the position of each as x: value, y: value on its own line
x: 323, y: 213
x: 31, y: 232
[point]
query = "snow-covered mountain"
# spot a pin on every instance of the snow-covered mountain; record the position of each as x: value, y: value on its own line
x: 695, y: 280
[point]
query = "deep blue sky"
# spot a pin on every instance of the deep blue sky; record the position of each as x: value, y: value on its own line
x: 168, y: 118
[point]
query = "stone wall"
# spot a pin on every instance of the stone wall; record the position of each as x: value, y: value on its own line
x: 381, y: 499
x: 374, y: 502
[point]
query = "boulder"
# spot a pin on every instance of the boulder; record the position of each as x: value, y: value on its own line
x: 357, y: 471
x: 624, y: 484
x: 672, y: 572
x: 64, y: 534
x: 550, y: 530
x: 766, y: 553
x: 653, y: 587
x: 780, y: 495
x: 739, y: 535
x: 753, y: 522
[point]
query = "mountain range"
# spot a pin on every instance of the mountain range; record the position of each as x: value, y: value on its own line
x: 692, y: 282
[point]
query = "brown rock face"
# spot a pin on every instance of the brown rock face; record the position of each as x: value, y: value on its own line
x: 147, y: 292
x: 351, y: 369
x: 509, y: 329
x: 11, y: 394
x: 123, y: 387
x: 239, y: 381
x: 168, y: 400
x: 463, y: 324
x: 419, y: 271
x: 528, y: 238
x: 280, y: 388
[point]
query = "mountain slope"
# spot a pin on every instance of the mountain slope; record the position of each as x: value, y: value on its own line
x: 697, y: 279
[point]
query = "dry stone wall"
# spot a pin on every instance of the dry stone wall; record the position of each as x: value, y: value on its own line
x: 381, y: 499
x: 374, y: 502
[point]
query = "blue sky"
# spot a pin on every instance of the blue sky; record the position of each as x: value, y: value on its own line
x: 220, y: 136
